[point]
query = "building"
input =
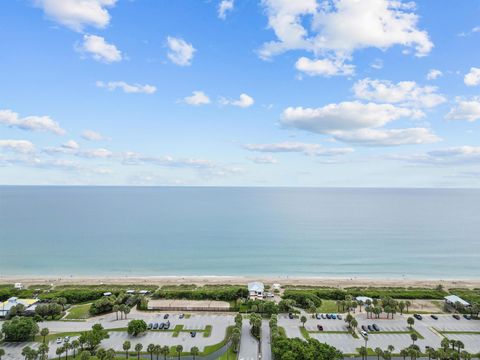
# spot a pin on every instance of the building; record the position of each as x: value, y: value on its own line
x: 276, y: 287
x: 18, y: 286
x: 363, y: 299
x: 453, y: 300
x: 256, y: 290
x: 6, y: 306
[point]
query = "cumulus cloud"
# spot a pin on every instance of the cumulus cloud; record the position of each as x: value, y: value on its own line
x: 324, y: 67
x: 91, y: 135
x: 76, y: 14
x: 434, y: 74
x: 473, y: 77
x: 406, y: 93
x: 127, y: 88
x: 30, y: 123
x: 267, y: 159
x: 71, y: 145
x: 387, y: 137
x: 99, y: 49
x: 224, y: 7
x: 17, y: 146
x: 243, y: 101
x: 345, y: 116
x: 298, y: 147
x: 464, y: 109
x: 337, y: 28
x: 197, y: 98
x: 180, y: 52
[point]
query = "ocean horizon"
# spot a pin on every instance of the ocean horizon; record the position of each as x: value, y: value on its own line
x: 239, y: 231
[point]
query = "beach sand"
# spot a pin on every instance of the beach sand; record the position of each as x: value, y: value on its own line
x: 238, y: 280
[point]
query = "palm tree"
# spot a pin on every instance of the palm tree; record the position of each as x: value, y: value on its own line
x: 126, y: 346
x: 363, y: 352
x: 59, y: 351
x: 303, y: 319
x: 2, y: 353
x: 353, y: 325
x: 116, y: 308
x: 465, y: 355
x: 408, y: 304
x: 25, y: 351
x: 235, y: 340
x: 391, y: 348
x: 110, y: 354
x: 67, y: 347
x: 138, y: 348
x: 414, y: 337
x: 43, y: 349
x: 157, y: 350
x: 410, y: 322
x: 194, y: 351
x: 379, y: 352
x: 445, y: 344
x: 101, y: 354
x: 401, y: 307
x: 165, y: 351
x: 430, y: 353
x: 75, y: 345
x: 126, y: 311
x: 459, y: 345
x: 44, y: 332
x: 403, y: 353
x: 179, y: 349
x: 151, y: 350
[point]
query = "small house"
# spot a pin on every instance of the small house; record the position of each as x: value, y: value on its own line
x: 256, y: 290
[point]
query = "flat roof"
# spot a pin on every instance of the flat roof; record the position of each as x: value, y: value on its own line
x: 454, y: 299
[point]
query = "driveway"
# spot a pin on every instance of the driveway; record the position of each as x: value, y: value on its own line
x: 266, y: 344
x: 248, y: 345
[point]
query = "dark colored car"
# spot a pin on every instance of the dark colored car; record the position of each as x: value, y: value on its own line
x: 370, y: 328
x: 375, y: 327
x: 324, y: 316
x: 167, y: 325
x: 290, y: 315
x: 193, y: 333
x: 181, y: 316
x: 320, y: 327
x: 418, y: 316
x: 434, y: 317
x: 339, y: 317
x: 150, y: 326
x: 456, y: 316
x: 165, y: 316
x: 364, y: 328
x: 468, y: 317
x: 334, y: 316
x: 319, y: 316
x: 155, y: 326
x: 329, y: 316
x: 162, y: 325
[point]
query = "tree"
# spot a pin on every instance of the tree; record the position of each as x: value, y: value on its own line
x: 408, y: 304
x: 126, y: 346
x: 165, y: 351
x: 59, y: 351
x: 92, y: 339
x: 19, y: 329
x: 43, y: 349
x: 2, y: 353
x: 363, y: 352
x: 67, y: 347
x: 101, y: 354
x: 116, y: 308
x: 235, y: 339
x: 75, y: 345
x: 256, y: 323
x: 26, y: 351
x: 110, y: 354
x: 303, y: 320
x: 410, y: 322
x: 85, y: 355
x: 401, y: 306
x: 136, y: 327
x: 138, y: 348
x: 414, y: 337
x: 179, y: 349
x: 157, y: 350
x: 151, y: 350
x: 43, y: 333
x: 379, y: 352
x: 194, y: 351
x: 126, y: 311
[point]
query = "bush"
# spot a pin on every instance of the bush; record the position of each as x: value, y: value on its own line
x: 223, y: 293
x: 20, y: 329
x: 136, y: 327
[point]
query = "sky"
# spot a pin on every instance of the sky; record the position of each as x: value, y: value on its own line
x: 330, y: 93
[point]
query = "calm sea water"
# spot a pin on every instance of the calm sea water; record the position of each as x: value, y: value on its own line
x: 239, y: 231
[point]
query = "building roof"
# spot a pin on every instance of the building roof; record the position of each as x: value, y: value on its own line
x: 453, y: 299
x: 256, y: 286
x: 363, y: 298
x: 13, y: 301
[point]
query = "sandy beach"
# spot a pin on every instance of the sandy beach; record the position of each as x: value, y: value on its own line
x: 238, y: 280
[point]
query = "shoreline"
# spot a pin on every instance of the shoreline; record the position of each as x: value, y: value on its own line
x: 318, y: 281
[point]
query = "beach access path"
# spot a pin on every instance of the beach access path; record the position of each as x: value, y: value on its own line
x: 266, y: 344
x: 248, y: 345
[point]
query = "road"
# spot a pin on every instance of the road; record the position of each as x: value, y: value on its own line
x: 248, y: 345
x: 266, y: 344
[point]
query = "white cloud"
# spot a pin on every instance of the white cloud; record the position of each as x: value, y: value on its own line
x: 71, y: 145
x: 298, y: 147
x: 468, y: 110
x: 197, y: 98
x: 180, y: 52
x: 76, y: 14
x: 91, y: 135
x: 377, y: 64
x: 31, y: 123
x: 127, y: 88
x: 268, y: 159
x: 460, y: 155
x: 340, y: 27
x: 387, y: 137
x: 224, y: 7
x: 95, y: 153
x: 244, y: 101
x: 473, y: 77
x: 324, y: 67
x: 345, y: 116
x: 17, y: 146
x: 99, y: 49
x: 434, y: 74
x: 404, y: 93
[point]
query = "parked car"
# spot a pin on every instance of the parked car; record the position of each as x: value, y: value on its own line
x: 167, y: 325
x: 370, y: 328
x: 434, y: 317
x: 329, y: 316
x: 468, y: 317
x: 364, y: 333
x: 165, y: 316
x: 418, y: 316
x: 150, y: 326
x: 59, y: 340
x: 290, y: 315
x: 161, y: 326
x: 375, y: 327
x: 339, y: 317
x: 181, y: 316
x: 456, y: 316
x: 193, y: 333
x: 334, y: 316
x: 364, y: 328
x: 66, y: 339
x: 155, y: 326
x: 324, y: 316
x: 320, y: 327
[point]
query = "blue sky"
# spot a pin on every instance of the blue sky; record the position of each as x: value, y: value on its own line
x: 240, y: 92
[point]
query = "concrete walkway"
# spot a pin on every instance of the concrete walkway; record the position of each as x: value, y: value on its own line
x: 266, y: 344
x: 248, y: 345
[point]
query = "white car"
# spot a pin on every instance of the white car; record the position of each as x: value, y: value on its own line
x: 364, y: 334
x: 59, y: 340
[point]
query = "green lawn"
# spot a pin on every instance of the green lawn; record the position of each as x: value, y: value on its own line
x: 230, y: 355
x: 328, y: 306
x: 79, y: 312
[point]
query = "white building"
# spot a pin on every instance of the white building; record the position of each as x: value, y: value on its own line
x: 363, y: 299
x: 6, y: 306
x: 18, y: 286
x: 454, y: 299
x: 256, y: 290
x: 276, y: 287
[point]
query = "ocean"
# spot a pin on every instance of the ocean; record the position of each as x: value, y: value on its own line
x: 127, y: 231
